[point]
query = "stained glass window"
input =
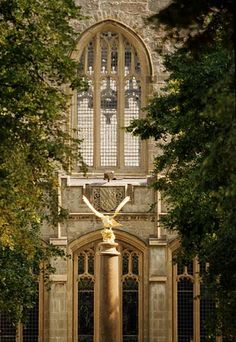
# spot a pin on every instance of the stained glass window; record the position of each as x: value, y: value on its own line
x: 112, y: 101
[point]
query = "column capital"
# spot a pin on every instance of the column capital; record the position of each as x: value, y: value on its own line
x: 108, y: 248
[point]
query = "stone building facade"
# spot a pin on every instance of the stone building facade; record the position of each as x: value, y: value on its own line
x: 114, y: 30
x: 118, y: 54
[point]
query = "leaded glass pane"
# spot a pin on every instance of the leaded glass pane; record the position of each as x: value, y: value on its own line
x: 125, y: 264
x: 137, y: 63
x: 108, y: 122
x: 128, y: 58
x: 7, y: 329
x: 82, y: 63
x: 85, y: 124
x: 90, y: 263
x: 85, y: 295
x: 132, y: 109
x: 81, y: 263
x: 114, y: 60
x: 104, y: 52
x: 135, y: 261
x: 207, y: 310
x: 130, y: 310
x: 90, y: 58
x: 31, y: 327
x: 85, y: 309
x: 185, y: 310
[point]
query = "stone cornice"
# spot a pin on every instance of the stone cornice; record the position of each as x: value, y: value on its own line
x: 122, y: 217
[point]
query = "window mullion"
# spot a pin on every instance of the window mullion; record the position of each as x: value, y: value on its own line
x: 109, y: 59
x: 196, y: 302
x: 175, y: 304
x: 97, y: 85
x: 132, y: 67
x: 86, y: 60
x: 121, y: 102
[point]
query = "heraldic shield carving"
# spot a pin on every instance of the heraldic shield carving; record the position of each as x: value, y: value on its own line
x: 107, y: 198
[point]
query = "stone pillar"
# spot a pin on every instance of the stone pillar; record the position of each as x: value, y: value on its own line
x: 108, y: 303
x: 158, y: 291
x: 57, y: 310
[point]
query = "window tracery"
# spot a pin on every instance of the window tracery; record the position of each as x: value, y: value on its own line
x: 85, y: 290
x: 116, y: 93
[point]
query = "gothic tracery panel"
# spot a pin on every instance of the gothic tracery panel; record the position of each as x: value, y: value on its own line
x: 112, y: 66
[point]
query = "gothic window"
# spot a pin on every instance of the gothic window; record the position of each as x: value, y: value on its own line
x: 130, y: 295
x: 85, y: 292
x: 27, y: 332
x: 117, y: 73
x: 191, y: 305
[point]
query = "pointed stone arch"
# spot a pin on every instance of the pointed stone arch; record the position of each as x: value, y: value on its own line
x: 118, y: 26
x: 132, y: 247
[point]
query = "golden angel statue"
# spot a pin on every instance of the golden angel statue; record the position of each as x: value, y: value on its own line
x: 107, y: 220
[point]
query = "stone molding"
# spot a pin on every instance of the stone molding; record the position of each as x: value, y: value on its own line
x: 157, y: 242
x: 60, y: 241
x: 158, y: 279
x: 122, y: 217
x: 58, y: 278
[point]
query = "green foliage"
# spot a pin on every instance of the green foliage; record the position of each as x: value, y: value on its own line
x: 194, y: 123
x: 36, y: 78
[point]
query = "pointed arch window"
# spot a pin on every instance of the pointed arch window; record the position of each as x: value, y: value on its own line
x: 192, y: 306
x: 117, y: 69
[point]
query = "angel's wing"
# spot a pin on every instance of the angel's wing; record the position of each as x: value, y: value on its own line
x: 92, y: 208
x: 120, y: 206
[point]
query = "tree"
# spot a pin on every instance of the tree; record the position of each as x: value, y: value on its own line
x: 194, y: 123
x: 36, y: 37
